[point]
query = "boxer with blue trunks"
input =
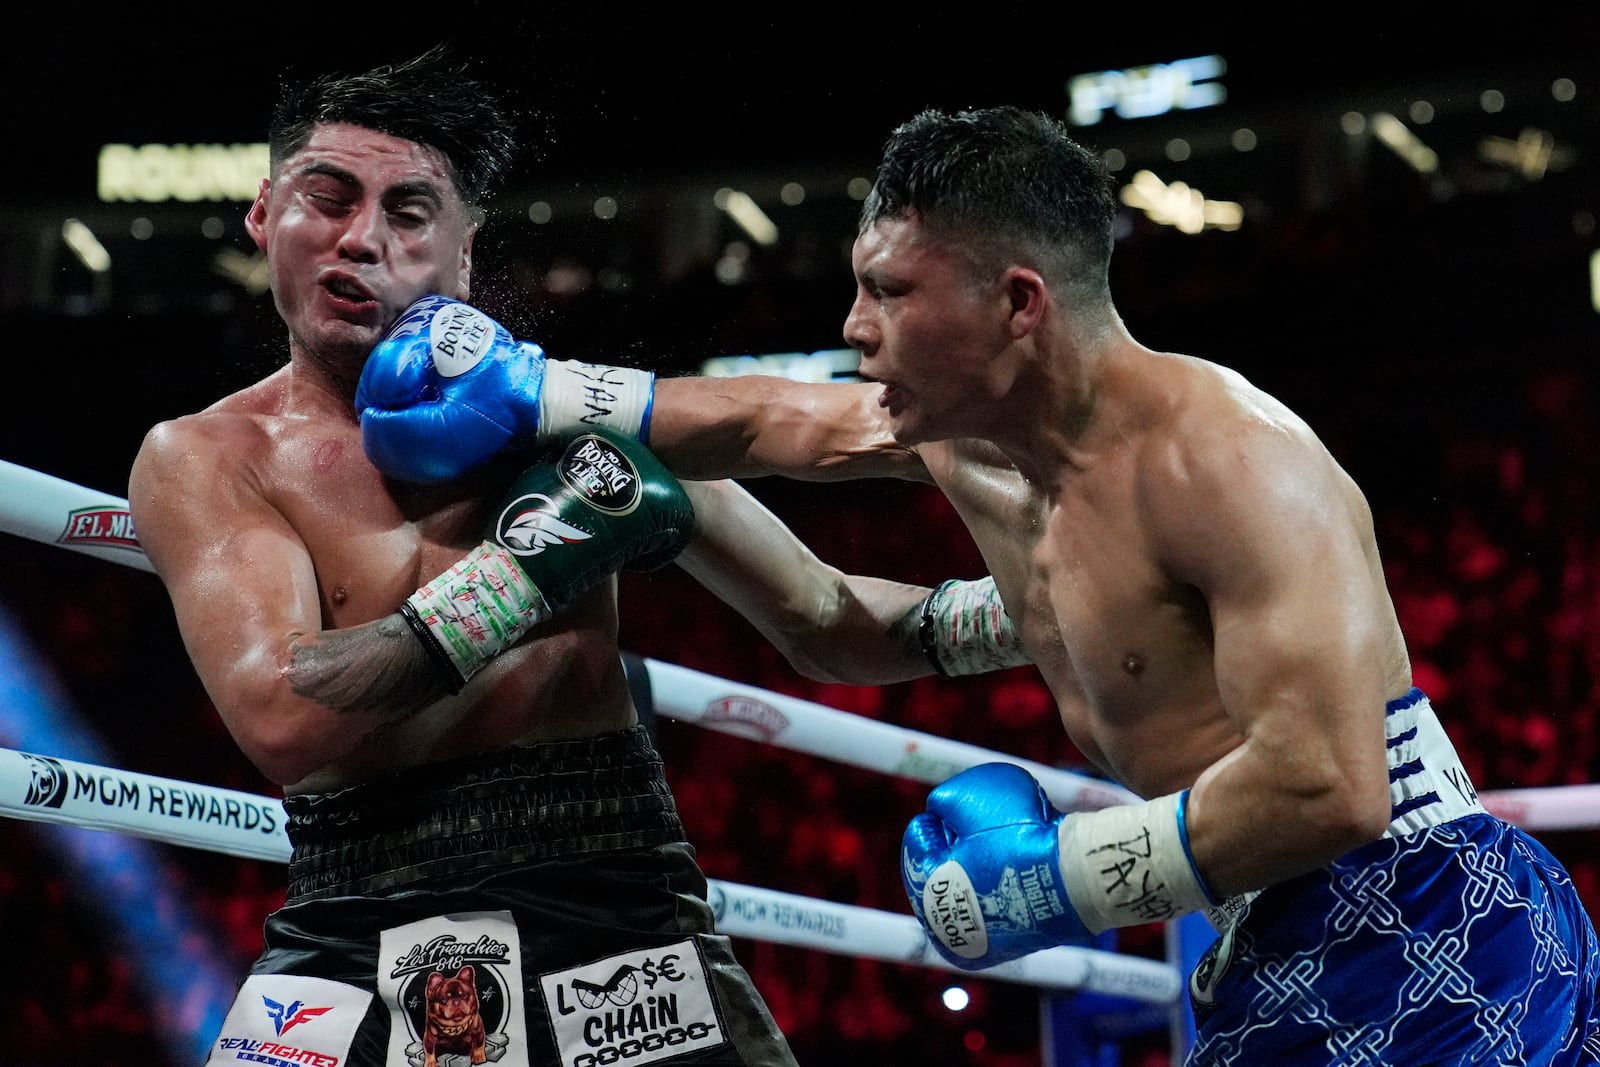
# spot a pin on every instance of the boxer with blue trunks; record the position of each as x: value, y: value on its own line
x: 1198, y: 581
x: 1456, y: 930
x: 1452, y: 940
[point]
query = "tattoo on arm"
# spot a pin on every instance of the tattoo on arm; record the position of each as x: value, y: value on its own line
x: 380, y: 667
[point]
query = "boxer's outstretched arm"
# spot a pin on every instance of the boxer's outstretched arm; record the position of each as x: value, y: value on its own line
x: 449, y: 388
x: 832, y: 626
x: 754, y: 425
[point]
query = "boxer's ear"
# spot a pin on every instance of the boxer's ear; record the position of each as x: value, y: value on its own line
x: 1026, y: 290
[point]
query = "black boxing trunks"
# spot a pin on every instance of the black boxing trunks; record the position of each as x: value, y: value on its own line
x: 532, y: 907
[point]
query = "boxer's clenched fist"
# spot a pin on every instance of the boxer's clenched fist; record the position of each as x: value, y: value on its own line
x: 448, y: 389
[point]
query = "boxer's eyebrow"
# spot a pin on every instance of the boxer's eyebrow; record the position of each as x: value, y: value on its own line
x: 423, y: 187
x: 418, y: 187
x: 321, y: 168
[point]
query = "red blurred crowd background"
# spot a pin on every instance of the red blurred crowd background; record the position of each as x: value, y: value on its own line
x: 1494, y: 563
x: 1440, y: 336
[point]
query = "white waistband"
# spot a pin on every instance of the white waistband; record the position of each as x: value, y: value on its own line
x: 1427, y: 783
x: 1428, y: 786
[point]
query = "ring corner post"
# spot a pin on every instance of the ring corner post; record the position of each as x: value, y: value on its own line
x: 1188, y: 939
x: 1073, y: 1023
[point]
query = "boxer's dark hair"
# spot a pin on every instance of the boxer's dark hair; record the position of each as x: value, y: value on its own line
x: 1003, y: 182
x: 430, y: 99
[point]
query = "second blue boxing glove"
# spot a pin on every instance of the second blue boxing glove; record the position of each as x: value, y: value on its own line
x: 993, y: 871
x: 982, y: 869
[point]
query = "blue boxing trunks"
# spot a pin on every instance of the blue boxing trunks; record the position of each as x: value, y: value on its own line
x: 532, y: 907
x: 1456, y: 939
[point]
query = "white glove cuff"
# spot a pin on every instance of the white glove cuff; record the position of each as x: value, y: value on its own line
x: 1130, y: 864
x: 577, y: 396
x: 478, y: 608
x: 966, y: 630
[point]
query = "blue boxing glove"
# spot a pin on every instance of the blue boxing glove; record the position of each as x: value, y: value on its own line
x: 448, y: 389
x: 993, y: 871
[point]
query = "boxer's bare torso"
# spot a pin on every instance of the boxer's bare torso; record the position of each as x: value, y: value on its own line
x: 1194, y: 575
x: 270, y: 487
x: 1084, y: 563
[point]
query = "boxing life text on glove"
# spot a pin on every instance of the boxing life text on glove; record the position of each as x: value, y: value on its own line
x: 994, y: 871
x: 448, y: 389
x: 603, y: 504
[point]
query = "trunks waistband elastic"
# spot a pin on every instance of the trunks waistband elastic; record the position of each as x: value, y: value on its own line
x: 1428, y: 786
x: 1427, y: 783
x: 496, y: 810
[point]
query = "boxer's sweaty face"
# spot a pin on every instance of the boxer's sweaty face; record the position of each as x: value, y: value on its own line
x: 924, y: 329
x: 356, y: 225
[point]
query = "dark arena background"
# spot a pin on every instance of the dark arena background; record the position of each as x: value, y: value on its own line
x: 1391, y: 226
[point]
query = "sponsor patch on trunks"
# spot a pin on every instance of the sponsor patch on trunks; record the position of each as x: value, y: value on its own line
x: 634, y: 1007
x: 453, y: 985
x: 290, y: 1020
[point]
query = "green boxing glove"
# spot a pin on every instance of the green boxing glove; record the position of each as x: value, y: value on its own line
x: 605, y: 504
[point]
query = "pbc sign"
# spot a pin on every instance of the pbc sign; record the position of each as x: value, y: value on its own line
x: 1142, y: 92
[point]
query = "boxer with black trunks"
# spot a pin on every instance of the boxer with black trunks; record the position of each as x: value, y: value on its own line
x: 487, y: 860
x: 1199, y: 583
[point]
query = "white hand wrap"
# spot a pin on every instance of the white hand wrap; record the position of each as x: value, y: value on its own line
x: 966, y: 630
x: 476, y: 609
x: 577, y: 396
x: 1130, y: 864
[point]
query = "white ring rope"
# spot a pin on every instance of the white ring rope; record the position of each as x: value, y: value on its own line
x: 45, y: 508
x: 51, y: 789
x: 1555, y: 807
x: 43, y: 788
x: 788, y: 722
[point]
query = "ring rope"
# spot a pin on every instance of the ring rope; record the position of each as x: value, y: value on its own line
x: 52, y: 510
x: 817, y: 730
x: 42, y: 507
x: 34, y: 787
x: 52, y: 789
